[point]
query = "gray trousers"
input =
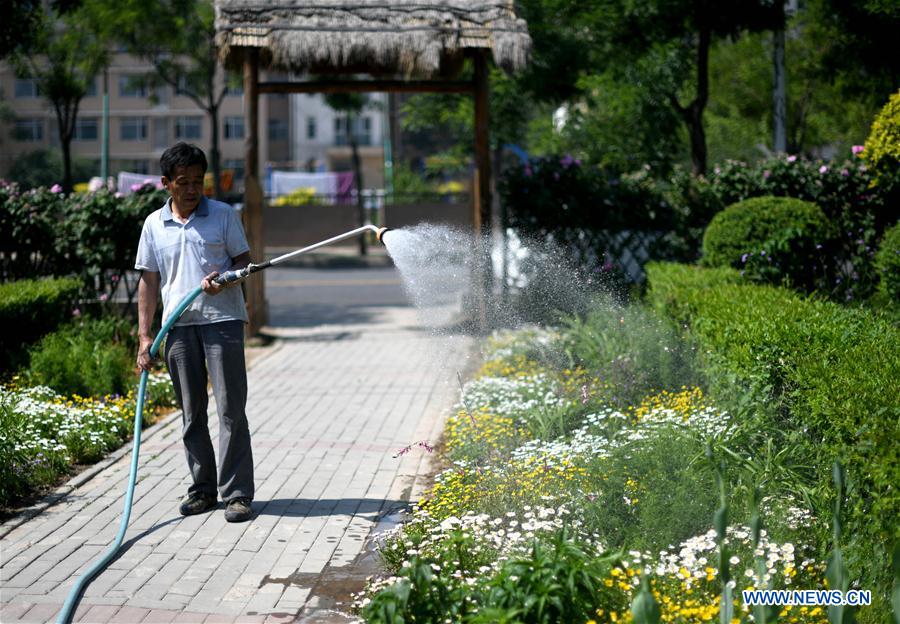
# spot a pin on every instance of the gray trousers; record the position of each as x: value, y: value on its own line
x: 216, y: 349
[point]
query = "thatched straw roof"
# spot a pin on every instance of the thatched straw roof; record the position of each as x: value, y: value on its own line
x: 412, y: 37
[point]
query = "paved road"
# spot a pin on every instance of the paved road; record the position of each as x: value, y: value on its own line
x: 351, y: 379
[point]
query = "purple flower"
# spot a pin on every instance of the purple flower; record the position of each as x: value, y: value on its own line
x: 566, y: 161
x: 823, y: 169
x: 744, y: 258
x: 857, y: 149
x: 818, y: 246
x: 763, y: 252
x: 528, y: 171
x: 56, y: 188
x: 845, y: 172
x: 766, y: 173
x: 791, y: 158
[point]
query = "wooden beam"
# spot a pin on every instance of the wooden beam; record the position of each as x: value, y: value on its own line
x: 368, y: 86
x: 255, y: 287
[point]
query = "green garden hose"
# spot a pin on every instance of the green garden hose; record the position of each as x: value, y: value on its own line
x: 228, y: 277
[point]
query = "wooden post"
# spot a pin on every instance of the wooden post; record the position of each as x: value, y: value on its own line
x: 483, y: 278
x: 255, y: 286
x: 482, y: 141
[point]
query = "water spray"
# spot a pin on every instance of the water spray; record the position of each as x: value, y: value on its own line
x: 229, y: 277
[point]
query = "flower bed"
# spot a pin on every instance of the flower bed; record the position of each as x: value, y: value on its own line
x: 556, y: 501
x: 43, y: 434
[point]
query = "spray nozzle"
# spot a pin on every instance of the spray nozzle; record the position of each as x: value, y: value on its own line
x: 380, y: 234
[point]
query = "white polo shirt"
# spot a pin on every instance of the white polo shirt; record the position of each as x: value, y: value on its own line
x: 184, y: 253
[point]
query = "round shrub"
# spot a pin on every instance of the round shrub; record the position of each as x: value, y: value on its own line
x: 882, y: 148
x: 887, y: 262
x: 771, y: 239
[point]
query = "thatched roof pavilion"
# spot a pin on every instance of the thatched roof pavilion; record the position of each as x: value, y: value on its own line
x: 418, y: 38
x: 406, y: 45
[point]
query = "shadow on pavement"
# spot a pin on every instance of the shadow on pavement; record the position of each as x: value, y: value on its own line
x: 315, y: 314
x: 310, y: 507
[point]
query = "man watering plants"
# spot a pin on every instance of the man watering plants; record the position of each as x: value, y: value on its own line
x: 184, y: 244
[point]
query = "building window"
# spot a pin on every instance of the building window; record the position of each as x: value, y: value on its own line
x: 181, y: 85
x: 234, y: 127
x: 27, y: 88
x: 188, y: 128
x: 132, y: 86
x: 362, y: 130
x: 86, y: 129
x: 133, y: 129
x: 278, y: 130
x: 136, y: 166
x: 29, y: 130
x: 310, y: 127
x: 91, y: 90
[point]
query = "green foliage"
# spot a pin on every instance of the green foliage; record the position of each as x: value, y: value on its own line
x: 558, y: 581
x: 31, y: 240
x: 882, y: 148
x: 887, y: 262
x: 652, y: 493
x: 827, y: 366
x: 633, y: 97
x: 631, y: 350
x: 28, y: 310
x: 44, y: 167
x: 92, y: 234
x: 93, y: 357
x: 772, y: 239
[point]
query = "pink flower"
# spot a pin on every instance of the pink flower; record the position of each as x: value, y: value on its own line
x: 823, y: 169
x: 56, y: 188
x: 766, y: 173
x: 104, y: 297
x: 791, y: 158
x: 857, y: 149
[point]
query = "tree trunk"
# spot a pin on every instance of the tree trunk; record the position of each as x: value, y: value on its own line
x: 214, y: 155
x: 357, y: 178
x: 692, y: 114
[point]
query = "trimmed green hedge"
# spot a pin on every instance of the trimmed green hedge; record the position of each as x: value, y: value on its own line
x: 835, y: 371
x: 28, y: 310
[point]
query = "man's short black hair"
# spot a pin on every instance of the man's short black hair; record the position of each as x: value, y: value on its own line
x: 181, y: 155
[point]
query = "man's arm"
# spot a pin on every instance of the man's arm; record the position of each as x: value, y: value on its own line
x: 238, y: 262
x: 148, y: 296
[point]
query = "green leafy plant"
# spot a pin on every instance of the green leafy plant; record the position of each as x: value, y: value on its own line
x: 771, y: 239
x: 93, y: 357
x: 28, y: 310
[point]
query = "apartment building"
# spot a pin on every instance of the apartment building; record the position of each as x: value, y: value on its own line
x: 320, y: 138
x: 142, y: 123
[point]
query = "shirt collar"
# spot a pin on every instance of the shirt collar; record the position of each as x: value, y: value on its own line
x: 202, y: 209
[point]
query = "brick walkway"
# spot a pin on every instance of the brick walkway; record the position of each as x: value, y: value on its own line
x: 329, y: 408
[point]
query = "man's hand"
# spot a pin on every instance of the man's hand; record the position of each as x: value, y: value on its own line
x: 209, y: 286
x: 144, y: 361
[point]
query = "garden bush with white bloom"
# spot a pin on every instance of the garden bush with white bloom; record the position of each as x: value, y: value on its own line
x: 43, y: 433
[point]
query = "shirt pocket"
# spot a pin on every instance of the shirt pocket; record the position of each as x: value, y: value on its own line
x: 212, y: 255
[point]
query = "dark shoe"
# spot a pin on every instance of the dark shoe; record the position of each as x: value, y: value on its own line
x: 197, y: 504
x: 238, y: 510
